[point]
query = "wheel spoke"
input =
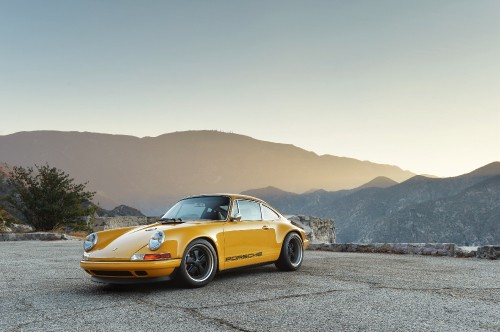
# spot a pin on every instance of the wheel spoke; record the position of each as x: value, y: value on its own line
x: 200, y: 268
x: 203, y: 265
x: 189, y: 268
x: 196, y: 254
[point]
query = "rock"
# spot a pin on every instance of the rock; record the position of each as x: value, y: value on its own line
x: 105, y: 223
x: 65, y: 237
x: 120, y: 211
x: 489, y: 252
x: 21, y: 228
x: 5, y: 229
x: 317, y: 229
x: 466, y: 252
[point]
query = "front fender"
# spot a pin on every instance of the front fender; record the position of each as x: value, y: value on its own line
x: 177, y: 240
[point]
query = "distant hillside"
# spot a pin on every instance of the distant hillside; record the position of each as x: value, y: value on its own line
x: 379, y: 182
x: 121, y: 210
x: 270, y: 191
x: 463, y: 209
x: 471, y: 216
x: 308, y: 201
x: 151, y: 173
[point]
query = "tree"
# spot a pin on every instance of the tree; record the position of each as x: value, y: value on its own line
x: 47, y: 197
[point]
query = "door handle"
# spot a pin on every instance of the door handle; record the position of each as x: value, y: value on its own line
x: 265, y: 227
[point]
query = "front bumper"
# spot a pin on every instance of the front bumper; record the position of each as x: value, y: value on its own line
x: 130, y: 272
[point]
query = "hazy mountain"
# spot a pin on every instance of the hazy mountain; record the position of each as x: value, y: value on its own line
x: 469, y: 217
x: 303, y: 203
x: 151, y: 173
x: 270, y: 191
x: 462, y: 209
x: 491, y: 169
x: 379, y: 182
x: 288, y: 200
x: 120, y: 210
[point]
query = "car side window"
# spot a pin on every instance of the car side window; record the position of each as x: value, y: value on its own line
x: 268, y: 214
x: 235, y: 209
x: 249, y: 210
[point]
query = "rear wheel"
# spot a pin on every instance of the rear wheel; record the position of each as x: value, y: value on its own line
x: 292, y: 253
x: 198, y: 265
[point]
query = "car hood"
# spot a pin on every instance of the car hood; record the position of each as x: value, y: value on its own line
x: 124, y: 246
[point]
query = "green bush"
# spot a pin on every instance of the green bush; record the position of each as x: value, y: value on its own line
x: 47, y: 197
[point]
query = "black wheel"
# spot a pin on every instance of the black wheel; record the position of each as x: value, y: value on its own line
x: 292, y: 253
x: 198, y: 265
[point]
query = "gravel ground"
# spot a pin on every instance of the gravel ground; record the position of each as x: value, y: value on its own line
x: 43, y: 289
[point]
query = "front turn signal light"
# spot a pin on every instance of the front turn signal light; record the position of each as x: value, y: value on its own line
x: 151, y: 257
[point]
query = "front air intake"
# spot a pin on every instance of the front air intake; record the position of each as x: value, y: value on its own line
x: 112, y: 273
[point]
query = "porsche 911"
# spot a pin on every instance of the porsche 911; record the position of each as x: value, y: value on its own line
x: 196, y: 238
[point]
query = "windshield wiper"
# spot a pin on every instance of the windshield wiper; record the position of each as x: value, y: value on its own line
x: 169, y: 220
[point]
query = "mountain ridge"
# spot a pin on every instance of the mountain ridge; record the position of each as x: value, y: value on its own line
x: 379, y: 182
x: 150, y: 173
x: 464, y: 209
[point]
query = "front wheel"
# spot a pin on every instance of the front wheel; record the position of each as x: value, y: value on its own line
x: 292, y: 253
x: 198, y: 265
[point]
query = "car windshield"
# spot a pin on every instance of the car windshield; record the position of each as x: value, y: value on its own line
x: 200, y: 208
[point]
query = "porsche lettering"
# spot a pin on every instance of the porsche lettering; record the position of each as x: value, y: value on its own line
x: 246, y: 256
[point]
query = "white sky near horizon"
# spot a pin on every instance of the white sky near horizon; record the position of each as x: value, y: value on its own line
x: 409, y: 83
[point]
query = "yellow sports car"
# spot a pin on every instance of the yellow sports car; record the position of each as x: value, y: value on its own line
x: 197, y: 237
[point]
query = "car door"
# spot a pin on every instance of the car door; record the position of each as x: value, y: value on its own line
x: 248, y: 240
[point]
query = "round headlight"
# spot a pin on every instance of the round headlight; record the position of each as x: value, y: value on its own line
x: 156, y: 240
x: 90, y: 242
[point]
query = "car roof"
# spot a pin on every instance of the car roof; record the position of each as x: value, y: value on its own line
x: 234, y: 196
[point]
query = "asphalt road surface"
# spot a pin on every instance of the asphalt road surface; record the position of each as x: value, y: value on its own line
x: 43, y: 289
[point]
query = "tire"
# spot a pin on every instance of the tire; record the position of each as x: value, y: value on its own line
x: 198, y: 265
x: 292, y: 253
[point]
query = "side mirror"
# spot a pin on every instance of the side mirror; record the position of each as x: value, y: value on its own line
x: 237, y: 217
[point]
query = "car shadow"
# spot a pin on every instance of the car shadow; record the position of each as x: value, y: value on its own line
x: 246, y: 271
x: 172, y: 285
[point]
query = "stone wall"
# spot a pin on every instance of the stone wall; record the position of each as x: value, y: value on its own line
x: 431, y: 249
x: 434, y: 249
x: 38, y: 236
x: 105, y: 223
x: 489, y: 252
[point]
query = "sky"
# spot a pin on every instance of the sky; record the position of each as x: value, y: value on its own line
x: 409, y: 83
